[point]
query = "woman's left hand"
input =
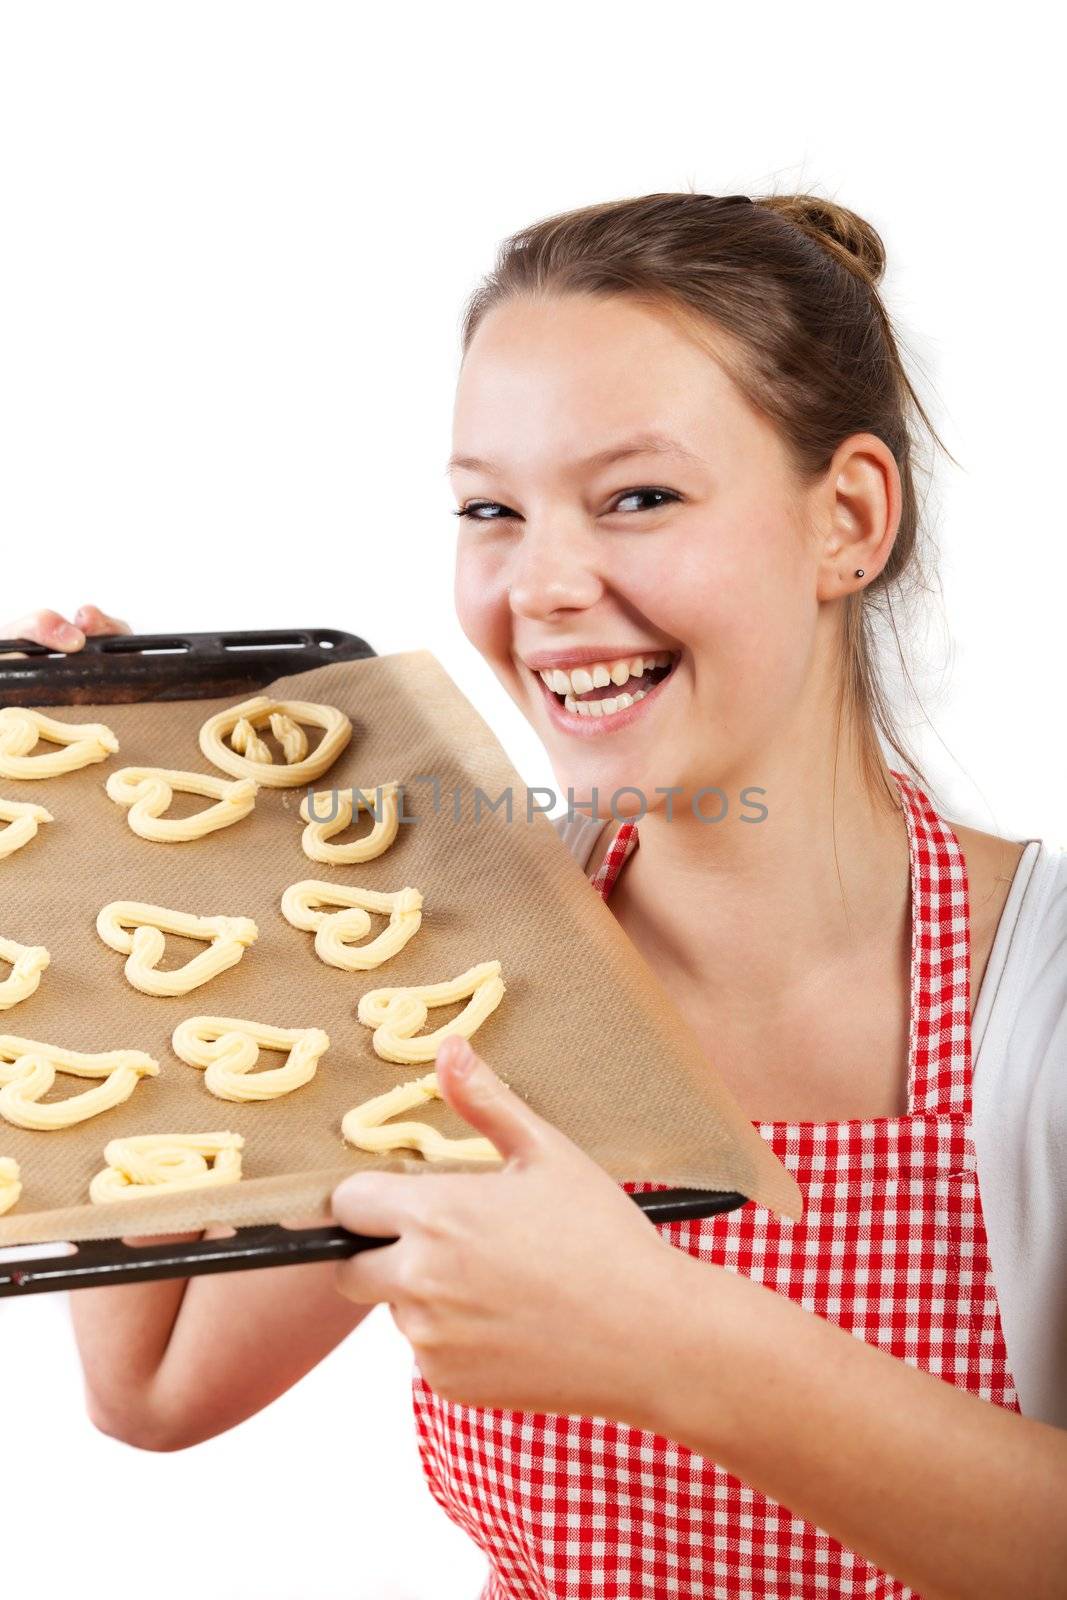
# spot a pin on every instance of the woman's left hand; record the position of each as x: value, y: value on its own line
x: 539, y: 1286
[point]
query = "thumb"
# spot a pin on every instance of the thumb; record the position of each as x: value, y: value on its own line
x: 474, y: 1091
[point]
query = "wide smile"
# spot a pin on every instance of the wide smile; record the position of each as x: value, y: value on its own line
x: 606, y: 696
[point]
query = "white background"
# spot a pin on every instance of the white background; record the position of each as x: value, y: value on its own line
x: 237, y: 239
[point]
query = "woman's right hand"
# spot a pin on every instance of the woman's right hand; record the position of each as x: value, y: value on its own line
x: 53, y: 630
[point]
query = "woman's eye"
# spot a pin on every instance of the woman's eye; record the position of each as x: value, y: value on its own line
x: 474, y: 509
x: 493, y: 511
x: 665, y: 497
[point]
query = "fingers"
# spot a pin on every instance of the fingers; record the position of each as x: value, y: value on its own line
x: 377, y: 1203
x: 371, y: 1276
x: 372, y: 1204
x: 47, y: 628
x: 92, y: 621
x: 51, y: 629
x: 473, y: 1090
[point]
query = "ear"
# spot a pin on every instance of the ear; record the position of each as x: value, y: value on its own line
x: 857, y: 510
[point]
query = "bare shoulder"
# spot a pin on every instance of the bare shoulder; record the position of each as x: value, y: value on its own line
x: 991, y: 862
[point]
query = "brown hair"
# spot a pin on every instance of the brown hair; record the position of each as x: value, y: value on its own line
x: 792, y: 279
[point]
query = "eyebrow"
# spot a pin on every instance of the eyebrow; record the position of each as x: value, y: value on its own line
x: 639, y: 445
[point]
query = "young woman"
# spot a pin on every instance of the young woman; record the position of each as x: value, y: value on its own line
x: 684, y: 465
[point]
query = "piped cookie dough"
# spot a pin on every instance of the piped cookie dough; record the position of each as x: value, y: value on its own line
x: 154, y: 1163
x: 332, y: 812
x: 397, y: 1014
x: 363, y: 1126
x: 21, y: 728
x: 148, y: 792
x: 21, y: 820
x: 227, y: 1049
x: 229, y: 938
x: 230, y: 740
x: 336, y: 932
x: 28, y: 1070
x: 10, y: 1183
x: 28, y: 961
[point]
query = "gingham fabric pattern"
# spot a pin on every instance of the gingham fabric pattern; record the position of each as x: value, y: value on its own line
x: 891, y: 1246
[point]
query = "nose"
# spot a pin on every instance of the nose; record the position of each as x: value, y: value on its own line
x: 552, y: 571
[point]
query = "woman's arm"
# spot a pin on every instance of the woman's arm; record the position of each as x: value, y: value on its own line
x: 959, y: 1499
x: 169, y: 1364
x: 508, y: 1304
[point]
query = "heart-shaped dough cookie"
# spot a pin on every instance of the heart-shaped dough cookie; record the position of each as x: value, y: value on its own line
x: 148, y: 1163
x: 247, y: 756
x: 396, y: 1014
x: 229, y: 938
x: 362, y: 1126
x: 28, y: 1070
x: 331, y: 812
x: 28, y: 961
x: 228, y: 1048
x: 336, y: 931
x: 10, y: 1183
x: 20, y: 729
x: 148, y: 791
x: 20, y: 820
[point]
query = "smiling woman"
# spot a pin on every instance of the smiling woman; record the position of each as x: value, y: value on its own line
x: 684, y: 447
x: 551, y: 434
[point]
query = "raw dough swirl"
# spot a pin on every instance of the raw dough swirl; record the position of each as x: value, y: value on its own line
x: 247, y: 756
x: 335, y: 931
x: 148, y: 791
x: 148, y: 1162
x: 228, y: 1048
x: 229, y: 936
x: 20, y: 729
x: 396, y: 1014
x: 28, y: 961
x: 10, y: 1183
x: 20, y: 819
x: 313, y: 840
x: 362, y: 1126
x: 290, y: 735
x: 28, y: 1070
x: 246, y: 741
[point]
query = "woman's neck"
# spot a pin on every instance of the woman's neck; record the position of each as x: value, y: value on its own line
x: 749, y: 910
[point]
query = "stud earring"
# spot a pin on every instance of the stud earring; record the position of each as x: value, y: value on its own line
x: 859, y: 572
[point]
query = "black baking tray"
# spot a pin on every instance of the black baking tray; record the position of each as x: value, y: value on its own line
x: 124, y: 668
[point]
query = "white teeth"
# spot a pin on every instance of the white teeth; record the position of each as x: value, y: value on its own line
x: 599, y: 674
x: 603, y: 708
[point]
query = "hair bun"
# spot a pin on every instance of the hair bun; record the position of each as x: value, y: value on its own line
x: 848, y: 237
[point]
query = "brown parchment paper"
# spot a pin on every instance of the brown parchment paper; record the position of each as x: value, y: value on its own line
x: 585, y: 1032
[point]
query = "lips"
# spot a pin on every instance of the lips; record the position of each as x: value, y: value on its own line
x: 609, y: 692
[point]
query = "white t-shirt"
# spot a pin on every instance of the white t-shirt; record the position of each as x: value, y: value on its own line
x: 1019, y: 1043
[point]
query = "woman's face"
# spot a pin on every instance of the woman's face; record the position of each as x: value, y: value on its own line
x: 588, y: 544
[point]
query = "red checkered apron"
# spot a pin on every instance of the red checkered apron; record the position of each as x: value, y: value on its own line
x: 891, y: 1246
